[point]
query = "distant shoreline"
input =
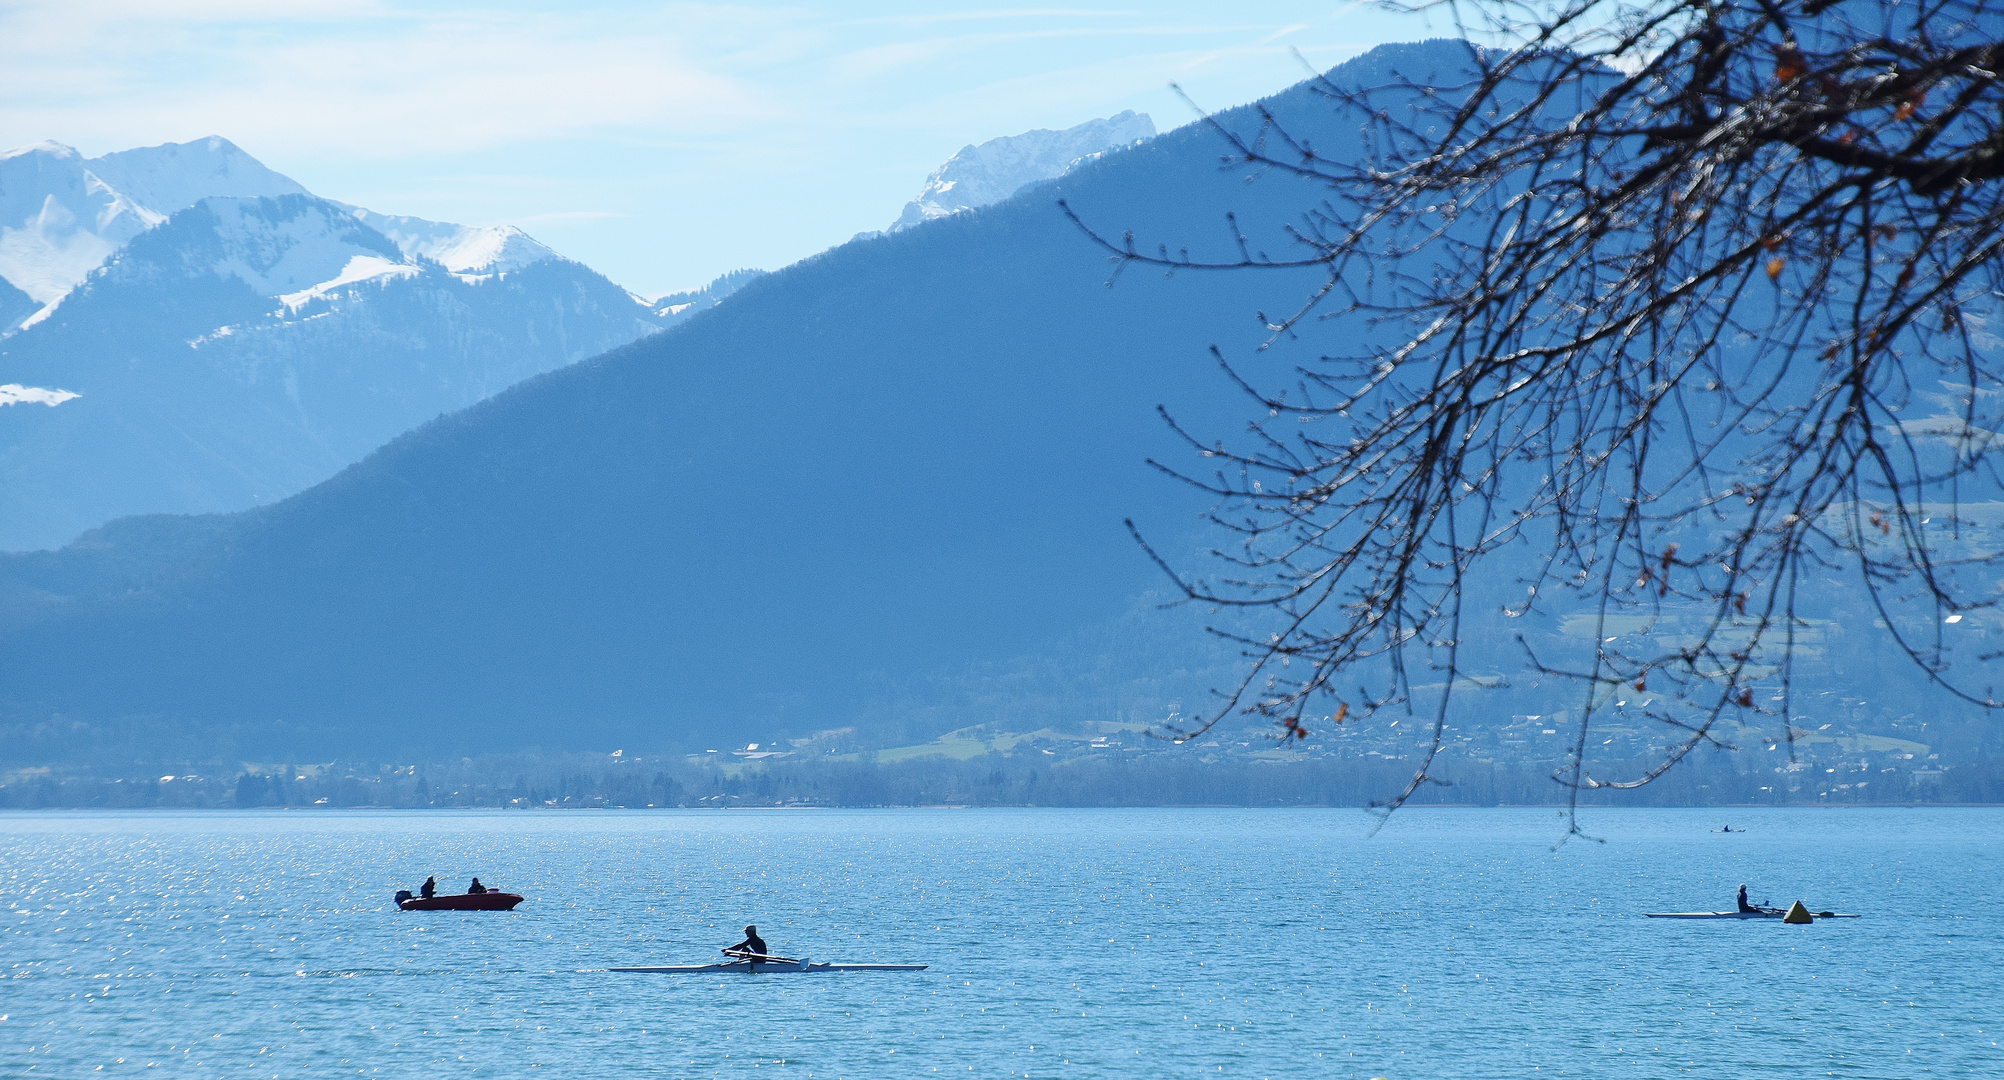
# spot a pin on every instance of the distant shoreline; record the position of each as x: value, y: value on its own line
x: 21, y: 811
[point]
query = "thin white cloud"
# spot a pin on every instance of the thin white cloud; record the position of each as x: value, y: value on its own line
x: 568, y: 217
x: 879, y: 61
x: 985, y: 106
x: 373, y: 83
x: 935, y: 17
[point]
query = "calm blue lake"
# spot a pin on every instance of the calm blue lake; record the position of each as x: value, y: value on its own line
x: 1064, y: 943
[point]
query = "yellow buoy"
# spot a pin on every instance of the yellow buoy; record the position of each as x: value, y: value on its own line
x: 1798, y: 914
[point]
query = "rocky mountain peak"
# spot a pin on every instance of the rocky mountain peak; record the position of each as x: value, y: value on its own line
x: 994, y: 170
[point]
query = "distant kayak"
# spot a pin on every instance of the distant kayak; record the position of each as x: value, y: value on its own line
x: 487, y: 901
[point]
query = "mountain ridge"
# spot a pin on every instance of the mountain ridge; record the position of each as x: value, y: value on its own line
x: 62, y: 214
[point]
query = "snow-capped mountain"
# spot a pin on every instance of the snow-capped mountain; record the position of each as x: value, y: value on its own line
x: 173, y: 176
x: 206, y: 335
x: 463, y: 249
x: 992, y: 171
x: 62, y: 214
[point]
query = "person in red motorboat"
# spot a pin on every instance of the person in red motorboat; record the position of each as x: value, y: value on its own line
x: 477, y: 897
x: 429, y: 889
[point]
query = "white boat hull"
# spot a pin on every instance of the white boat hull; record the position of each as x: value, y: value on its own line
x: 765, y: 967
x: 1738, y: 915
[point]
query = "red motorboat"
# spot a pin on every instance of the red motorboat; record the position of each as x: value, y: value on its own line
x: 481, y: 901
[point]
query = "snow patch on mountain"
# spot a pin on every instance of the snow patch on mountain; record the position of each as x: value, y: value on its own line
x: 360, y: 268
x: 42, y: 314
x: 992, y: 171
x: 16, y: 394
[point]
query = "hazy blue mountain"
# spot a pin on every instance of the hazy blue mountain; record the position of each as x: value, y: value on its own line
x: 881, y: 488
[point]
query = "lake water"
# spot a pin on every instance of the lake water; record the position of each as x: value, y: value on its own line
x: 1063, y: 943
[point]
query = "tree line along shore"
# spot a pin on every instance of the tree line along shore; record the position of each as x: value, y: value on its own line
x: 579, y: 781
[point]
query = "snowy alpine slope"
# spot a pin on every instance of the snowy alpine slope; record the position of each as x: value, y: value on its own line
x: 992, y: 171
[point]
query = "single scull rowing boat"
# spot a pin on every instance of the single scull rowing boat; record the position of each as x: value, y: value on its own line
x: 760, y: 964
x: 765, y: 967
x: 1763, y: 913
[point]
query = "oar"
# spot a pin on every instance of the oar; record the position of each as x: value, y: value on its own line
x: 761, y: 956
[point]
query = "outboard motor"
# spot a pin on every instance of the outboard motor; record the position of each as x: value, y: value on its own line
x: 402, y: 895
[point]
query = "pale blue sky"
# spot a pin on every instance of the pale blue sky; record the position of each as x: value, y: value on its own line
x: 661, y: 143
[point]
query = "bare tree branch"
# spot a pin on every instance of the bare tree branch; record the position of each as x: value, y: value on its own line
x: 1656, y: 301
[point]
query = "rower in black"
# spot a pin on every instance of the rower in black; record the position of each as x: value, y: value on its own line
x: 428, y: 889
x: 752, y: 944
x: 1744, y: 906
